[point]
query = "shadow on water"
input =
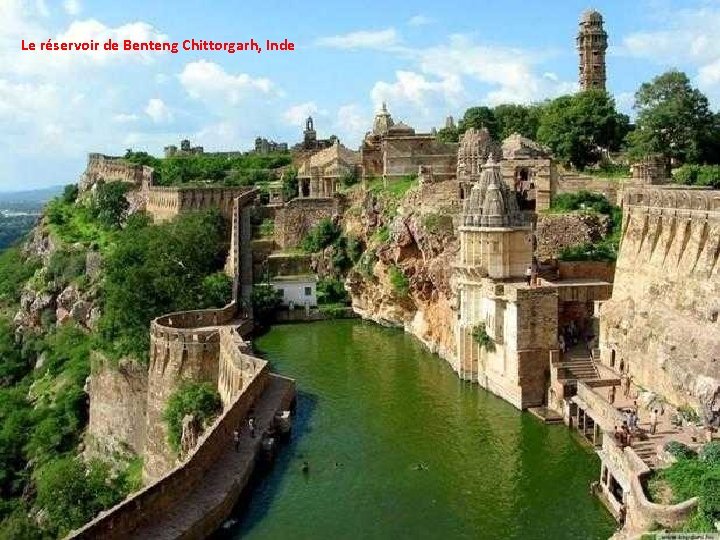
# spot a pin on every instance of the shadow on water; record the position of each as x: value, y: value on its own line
x: 267, y: 481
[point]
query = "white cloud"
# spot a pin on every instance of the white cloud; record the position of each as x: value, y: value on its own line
x: 419, y: 20
x: 209, y: 81
x: 158, y: 111
x: 415, y: 88
x: 297, y: 114
x: 42, y: 8
x: 362, y: 39
x: 72, y: 7
x: 351, y: 124
x: 685, y: 39
x: 123, y: 118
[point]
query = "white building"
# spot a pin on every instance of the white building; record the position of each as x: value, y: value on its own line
x: 297, y: 290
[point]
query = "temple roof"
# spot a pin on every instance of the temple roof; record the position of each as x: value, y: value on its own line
x: 383, y: 121
x: 491, y: 202
x: 518, y: 147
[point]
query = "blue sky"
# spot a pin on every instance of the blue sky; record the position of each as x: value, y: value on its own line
x: 427, y: 59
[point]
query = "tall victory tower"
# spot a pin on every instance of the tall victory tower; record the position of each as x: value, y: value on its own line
x: 592, y: 42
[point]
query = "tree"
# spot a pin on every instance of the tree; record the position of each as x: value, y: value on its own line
x: 674, y: 119
x: 201, y: 400
x: 577, y: 127
x: 521, y: 119
x: 479, y: 117
x: 111, y: 206
x: 448, y: 134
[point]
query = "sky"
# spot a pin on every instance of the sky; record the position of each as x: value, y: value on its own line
x: 427, y: 59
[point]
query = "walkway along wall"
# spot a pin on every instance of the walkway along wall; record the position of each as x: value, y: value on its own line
x: 183, y: 342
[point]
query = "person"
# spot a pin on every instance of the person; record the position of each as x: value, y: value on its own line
x: 617, y: 436
x: 561, y: 341
x: 653, y: 421
x: 528, y: 275
x: 632, y: 421
x: 627, y: 382
x: 611, y: 397
x: 251, y: 426
x: 236, y: 439
x: 627, y: 436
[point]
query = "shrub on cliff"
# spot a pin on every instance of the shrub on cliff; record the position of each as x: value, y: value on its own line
x: 72, y: 493
x: 399, y: 281
x: 110, y: 207
x: 201, y: 400
x: 331, y: 291
x: 15, y: 270
x: 321, y: 236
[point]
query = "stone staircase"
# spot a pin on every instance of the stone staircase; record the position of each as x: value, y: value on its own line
x: 580, y: 368
x: 646, y: 450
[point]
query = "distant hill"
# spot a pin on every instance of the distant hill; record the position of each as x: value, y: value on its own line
x: 31, y: 196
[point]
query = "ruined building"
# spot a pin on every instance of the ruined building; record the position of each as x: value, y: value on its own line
x: 264, y: 146
x: 393, y: 150
x: 592, y: 43
x: 320, y: 175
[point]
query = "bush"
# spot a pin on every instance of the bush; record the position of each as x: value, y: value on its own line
x: 110, y: 206
x: 70, y: 194
x: 481, y: 337
x: 15, y: 270
x: 710, y: 453
x: 267, y: 228
x: 72, y: 494
x: 265, y: 300
x: 438, y: 223
x: 679, y: 450
x: 697, y: 175
x: 65, y: 266
x: 602, y: 251
x: 201, y: 400
x: 333, y: 311
x: 321, y: 236
x: 216, y: 290
x: 331, y: 291
x: 399, y: 281
x: 582, y: 200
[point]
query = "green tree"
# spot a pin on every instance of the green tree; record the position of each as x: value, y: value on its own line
x: 674, y: 119
x: 201, y: 400
x: 479, y: 117
x: 521, y: 119
x: 577, y: 127
x: 110, y: 206
x: 448, y: 134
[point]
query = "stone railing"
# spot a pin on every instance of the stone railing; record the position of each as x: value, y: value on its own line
x: 600, y: 409
x: 191, y: 321
x: 237, y: 365
x: 154, y: 500
x: 643, y: 514
x: 671, y: 198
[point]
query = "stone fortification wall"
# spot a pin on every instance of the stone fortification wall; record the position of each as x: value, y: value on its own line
x: 153, y: 501
x: 662, y: 320
x: 183, y: 345
x: 611, y: 188
x: 118, y: 397
x: 166, y: 202
x: 114, y: 169
x: 294, y: 220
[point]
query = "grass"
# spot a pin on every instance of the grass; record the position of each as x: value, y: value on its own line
x: 396, y: 188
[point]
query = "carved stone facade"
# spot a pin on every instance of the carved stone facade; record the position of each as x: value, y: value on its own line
x: 530, y: 170
x: 592, y: 43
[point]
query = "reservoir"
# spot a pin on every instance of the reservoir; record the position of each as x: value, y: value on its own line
x: 398, y: 447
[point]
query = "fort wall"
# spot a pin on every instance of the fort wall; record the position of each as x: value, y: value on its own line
x: 294, y: 220
x: 153, y: 501
x: 183, y: 346
x: 662, y: 320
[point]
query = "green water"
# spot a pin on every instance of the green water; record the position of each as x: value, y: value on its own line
x: 374, y: 401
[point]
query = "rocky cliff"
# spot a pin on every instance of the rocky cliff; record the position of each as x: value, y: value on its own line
x: 404, y: 278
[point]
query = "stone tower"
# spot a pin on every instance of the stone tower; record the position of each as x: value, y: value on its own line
x: 505, y: 327
x: 592, y: 42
